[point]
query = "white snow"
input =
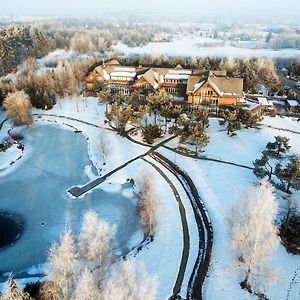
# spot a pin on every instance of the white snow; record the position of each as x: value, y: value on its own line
x: 220, y: 185
x: 192, y: 45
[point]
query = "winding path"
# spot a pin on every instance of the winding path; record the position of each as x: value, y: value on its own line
x: 186, y: 237
x: 205, y: 229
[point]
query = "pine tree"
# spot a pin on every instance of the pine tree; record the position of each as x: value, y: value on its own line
x: 290, y: 174
x: 263, y: 167
x: 278, y: 148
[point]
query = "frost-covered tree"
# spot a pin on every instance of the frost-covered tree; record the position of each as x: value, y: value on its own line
x: 86, y: 287
x: 96, y: 241
x: 129, y: 281
x: 13, y: 292
x: 147, y: 201
x: 18, y: 107
x: 254, y: 235
x: 63, y: 265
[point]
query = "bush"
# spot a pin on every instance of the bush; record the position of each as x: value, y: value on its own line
x: 290, y: 234
x: 150, y: 133
x: 33, y: 289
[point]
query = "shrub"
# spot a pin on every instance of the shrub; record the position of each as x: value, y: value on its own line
x: 150, y: 133
x: 290, y: 234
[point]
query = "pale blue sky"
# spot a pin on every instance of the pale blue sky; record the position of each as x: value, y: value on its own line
x: 218, y: 8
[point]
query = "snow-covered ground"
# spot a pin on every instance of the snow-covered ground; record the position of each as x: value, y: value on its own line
x: 220, y: 186
x: 162, y: 257
x: 200, y: 47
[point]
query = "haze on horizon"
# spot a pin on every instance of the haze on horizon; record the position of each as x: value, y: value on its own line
x: 197, y: 10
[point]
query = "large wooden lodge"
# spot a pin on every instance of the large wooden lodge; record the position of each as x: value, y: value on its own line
x: 186, y: 86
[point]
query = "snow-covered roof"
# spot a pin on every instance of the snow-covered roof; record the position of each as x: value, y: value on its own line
x: 124, y: 69
x: 264, y: 101
x: 292, y: 103
x: 177, y: 76
x: 180, y: 71
x: 198, y: 86
x: 122, y: 74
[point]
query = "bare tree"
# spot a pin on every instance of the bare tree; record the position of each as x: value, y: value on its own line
x: 129, y: 281
x: 18, y: 108
x: 147, y: 203
x: 254, y: 236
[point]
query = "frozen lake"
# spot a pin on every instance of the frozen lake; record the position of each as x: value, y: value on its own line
x: 36, y: 190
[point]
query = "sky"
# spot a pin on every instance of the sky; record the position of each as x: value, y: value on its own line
x: 202, y: 9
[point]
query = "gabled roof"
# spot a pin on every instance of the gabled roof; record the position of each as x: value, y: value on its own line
x: 178, y: 67
x: 192, y: 81
x: 227, y: 86
x: 264, y: 101
x: 223, y: 86
x: 292, y: 103
x: 112, y: 62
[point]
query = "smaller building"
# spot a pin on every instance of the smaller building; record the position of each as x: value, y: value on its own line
x: 292, y: 105
x: 265, y: 103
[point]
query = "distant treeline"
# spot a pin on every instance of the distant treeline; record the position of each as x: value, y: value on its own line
x: 19, y: 42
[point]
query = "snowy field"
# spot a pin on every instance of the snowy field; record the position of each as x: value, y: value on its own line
x: 220, y: 186
x: 200, y: 47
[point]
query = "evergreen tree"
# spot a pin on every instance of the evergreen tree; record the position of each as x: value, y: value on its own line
x: 278, y: 148
x: 263, y: 167
x: 289, y: 175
